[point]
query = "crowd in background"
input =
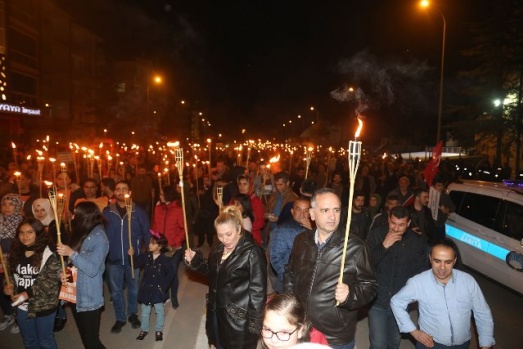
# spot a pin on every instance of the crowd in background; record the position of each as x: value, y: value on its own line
x: 253, y: 211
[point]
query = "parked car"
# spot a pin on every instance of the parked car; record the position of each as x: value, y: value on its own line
x: 488, y: 228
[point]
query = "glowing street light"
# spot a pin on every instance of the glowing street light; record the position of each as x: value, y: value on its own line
x: 426, y: 4
x: 156, y: 80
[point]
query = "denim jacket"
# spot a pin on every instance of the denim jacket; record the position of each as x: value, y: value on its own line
x: 90, y: 261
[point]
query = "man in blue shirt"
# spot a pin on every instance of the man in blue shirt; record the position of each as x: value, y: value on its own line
x: 446, y: 299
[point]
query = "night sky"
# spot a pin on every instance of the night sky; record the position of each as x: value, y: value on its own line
x: 255, y: 64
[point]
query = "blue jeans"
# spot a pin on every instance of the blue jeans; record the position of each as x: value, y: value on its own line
x: 120, y: 275
x: 160, y: 317
x: 383, y: 329
x: 344, y: 346
x: 173, y: 287
x: 441, y: 346
x: 38, y: 332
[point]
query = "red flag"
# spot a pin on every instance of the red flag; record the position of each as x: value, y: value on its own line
x: 433, y: 165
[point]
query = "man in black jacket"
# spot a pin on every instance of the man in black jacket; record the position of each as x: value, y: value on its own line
x: 314, y: 269
x: 397, y: 254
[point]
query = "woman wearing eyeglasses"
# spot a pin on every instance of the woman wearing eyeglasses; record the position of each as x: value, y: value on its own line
x: 285, y: 323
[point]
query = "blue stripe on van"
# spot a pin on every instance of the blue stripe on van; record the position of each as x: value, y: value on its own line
x: 474, y: 241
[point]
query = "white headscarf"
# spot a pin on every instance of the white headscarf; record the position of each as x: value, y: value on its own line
x: 46, y: 205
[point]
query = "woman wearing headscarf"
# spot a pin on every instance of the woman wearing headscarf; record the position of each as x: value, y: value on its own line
x: 43, y: 212
x: 10, y: 218
x: 374, y: 205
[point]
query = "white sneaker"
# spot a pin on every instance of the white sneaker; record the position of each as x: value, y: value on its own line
x: 14, y: 329
x: 6, y: 321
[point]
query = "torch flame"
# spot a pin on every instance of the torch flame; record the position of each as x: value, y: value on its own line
x: 360, y: 126
x: 48, y: 184
x: 13, y: 145
x: 275, y: 159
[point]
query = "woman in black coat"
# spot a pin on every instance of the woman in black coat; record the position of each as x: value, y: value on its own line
x: 237, y: 271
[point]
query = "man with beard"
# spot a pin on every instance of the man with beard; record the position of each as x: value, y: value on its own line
x: 118, y: 261
x: 397, y: 253
x: 360, y: 219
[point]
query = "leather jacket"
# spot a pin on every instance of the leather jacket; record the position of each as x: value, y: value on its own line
x: 313, y: 273
x: 237, y: 292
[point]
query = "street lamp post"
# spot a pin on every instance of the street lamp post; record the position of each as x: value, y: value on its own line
x: 157, y: 80
x: 498, y: 104
x: 317, y: 113
x: 426, y: 3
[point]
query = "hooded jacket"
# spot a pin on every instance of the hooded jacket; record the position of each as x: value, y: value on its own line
x: 168, y: 220
x: 43, y: 294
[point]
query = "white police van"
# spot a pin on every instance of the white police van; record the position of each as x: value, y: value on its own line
x: 488, y: 228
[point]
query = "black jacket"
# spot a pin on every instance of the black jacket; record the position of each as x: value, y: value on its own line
x: 157, y: 276
x: 395, y: 265
x: 313, y: 275
x: 423, y: 222
x: 237, y: 292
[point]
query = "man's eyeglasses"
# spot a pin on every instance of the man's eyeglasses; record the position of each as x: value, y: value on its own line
x: 283, y: 336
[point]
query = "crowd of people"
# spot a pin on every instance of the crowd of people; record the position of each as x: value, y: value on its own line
x: 279, y: 269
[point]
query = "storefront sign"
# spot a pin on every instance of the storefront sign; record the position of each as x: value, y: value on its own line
x: 17, y: 109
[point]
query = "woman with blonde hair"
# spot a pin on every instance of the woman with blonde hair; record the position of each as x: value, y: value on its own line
x: 237, y: 272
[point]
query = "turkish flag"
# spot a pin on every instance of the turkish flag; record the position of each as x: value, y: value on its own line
x: 433, y: 165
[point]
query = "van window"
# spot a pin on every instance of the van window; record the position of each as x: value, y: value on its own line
x: 511, y: 221
x: 457, y: 198
x: 480, y: 209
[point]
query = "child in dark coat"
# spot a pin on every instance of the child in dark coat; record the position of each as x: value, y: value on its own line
x: 156, y: 278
